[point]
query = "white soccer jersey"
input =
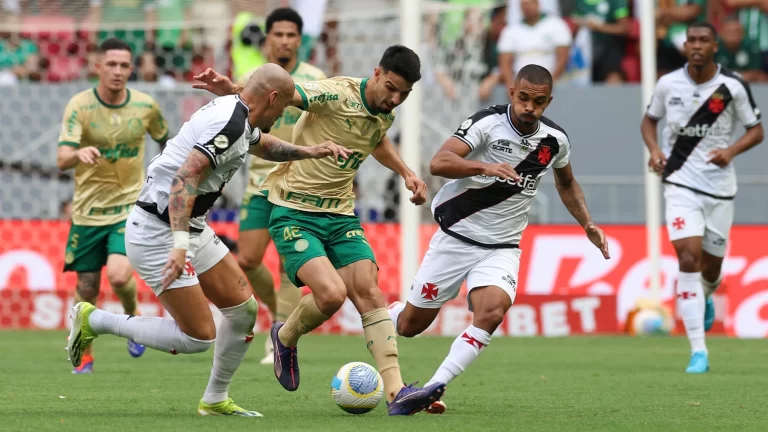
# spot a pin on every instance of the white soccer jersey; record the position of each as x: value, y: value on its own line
x: 700, y: 119
x: 220, y: 131
x: 486, y: 211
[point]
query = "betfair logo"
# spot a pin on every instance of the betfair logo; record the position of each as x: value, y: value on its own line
x: 352, y: 162
x: 325, y: 97
x: 120, y: 151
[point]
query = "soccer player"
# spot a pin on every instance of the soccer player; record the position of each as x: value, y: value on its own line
x: 320, y: 241
x: 284, y: 27
x: 102, y: 138
x: 496, y: 158
x: 701, y: 103
x: 177, y: 253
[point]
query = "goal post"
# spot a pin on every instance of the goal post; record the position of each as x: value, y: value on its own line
x: 652, y: 184
x: 410, y: 150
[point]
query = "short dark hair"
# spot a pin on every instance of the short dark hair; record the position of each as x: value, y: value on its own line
x: 498, y: 10
x: 403, y: 61
x: 284, y: 14
x: 114, y: 44
x: 703, y: 24
x: 535, y: 74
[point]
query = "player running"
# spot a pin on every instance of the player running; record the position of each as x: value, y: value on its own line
x: 701, y: 103
x: 320, y: 241
x: 102, y: 138
x: 177, y: 253
x: 497, y: 158
x: 283, y: 26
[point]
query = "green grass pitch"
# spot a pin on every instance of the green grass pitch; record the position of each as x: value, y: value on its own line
x: 573, y: 384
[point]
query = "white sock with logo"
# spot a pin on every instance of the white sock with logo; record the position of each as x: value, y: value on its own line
x: 464, y: 350
x: 690, y: 303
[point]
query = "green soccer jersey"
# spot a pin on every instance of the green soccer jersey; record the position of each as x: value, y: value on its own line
x: 746, y: 57
x: 605, y: 11
x: 755, y: 24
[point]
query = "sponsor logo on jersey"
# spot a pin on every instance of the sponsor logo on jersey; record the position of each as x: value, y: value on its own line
x: 699, y: 130
x: 528, y: 181
x: 325, y: 97
x: 313, y: 200
x: 676, y: 101
x: 352, y: 162
x: 120, y: 151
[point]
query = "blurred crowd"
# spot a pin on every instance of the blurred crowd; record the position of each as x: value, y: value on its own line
x: 580, y: 41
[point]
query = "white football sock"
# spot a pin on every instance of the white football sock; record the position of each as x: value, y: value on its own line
x: 465, y: 349
x: 690, y: 301
x: 157, y: 333
x: 394, y: 312
x: 233, y: 338
x: 711, y: 287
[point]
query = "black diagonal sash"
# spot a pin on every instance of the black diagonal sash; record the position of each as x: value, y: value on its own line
x: 472, y: 201
x: 706, y: 115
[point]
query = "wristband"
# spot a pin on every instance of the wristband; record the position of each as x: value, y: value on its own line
x: 181, y: 240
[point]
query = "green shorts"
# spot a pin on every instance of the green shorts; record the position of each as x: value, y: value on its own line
x: 254, y: 213
x: 89, y: 246
x: 300, y: 236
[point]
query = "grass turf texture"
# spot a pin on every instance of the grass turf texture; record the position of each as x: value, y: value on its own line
x: 574, y: 384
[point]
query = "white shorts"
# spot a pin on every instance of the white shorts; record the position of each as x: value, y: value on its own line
x: 690, y: 214
x: 449, y: 262
x: 148, y: 240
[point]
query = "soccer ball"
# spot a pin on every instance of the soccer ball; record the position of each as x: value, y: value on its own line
x: 650, y: 321
x: 357, y: 388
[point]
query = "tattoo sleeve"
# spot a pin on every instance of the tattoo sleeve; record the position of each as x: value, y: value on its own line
x: 184, y: 190
x: 274, y: 149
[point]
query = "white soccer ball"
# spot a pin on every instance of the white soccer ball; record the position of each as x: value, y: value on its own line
x: 357, y: 388
x: 650, y: 322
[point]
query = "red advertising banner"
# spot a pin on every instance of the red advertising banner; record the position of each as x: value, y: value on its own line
x: 565, y: 286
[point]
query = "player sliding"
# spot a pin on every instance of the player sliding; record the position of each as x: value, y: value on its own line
x: 497, y: 158
x: 177, y: 253
x: 283, y: 27
x: 319, y: 239
x: 701, y: 103
x: 102, y: 138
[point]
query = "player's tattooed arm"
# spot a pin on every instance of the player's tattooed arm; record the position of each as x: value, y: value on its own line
x: 184, y: 189
x: 573, y: 198
x: 274, y: 149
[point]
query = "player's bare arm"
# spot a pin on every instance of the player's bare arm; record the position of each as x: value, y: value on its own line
x: 450, y: 162
x: 573, y: 198
x: 386, y: 154
x: 657, y: 161
x: 751, y: 138
x: 274, y: 149
x: 180, y: 203
x: 68, y: 157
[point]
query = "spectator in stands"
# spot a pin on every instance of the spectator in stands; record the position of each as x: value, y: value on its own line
x: 549, y: 7
x: 753, y: 16
x: 738, y: 53
x: 247, y: 36
x: 608, y: 21
x: 19, y: 58
x: 539, y: 39
x: 672, y: 19
x: 116, y: 12
x: 492, y: 84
